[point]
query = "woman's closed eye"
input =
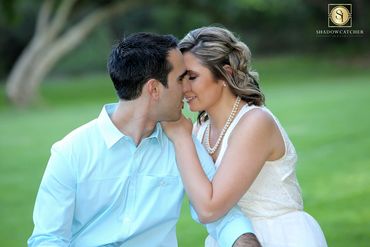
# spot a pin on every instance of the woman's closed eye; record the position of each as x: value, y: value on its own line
x: 192, y: 76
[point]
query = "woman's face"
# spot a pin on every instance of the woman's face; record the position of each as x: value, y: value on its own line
x: 203, y: 90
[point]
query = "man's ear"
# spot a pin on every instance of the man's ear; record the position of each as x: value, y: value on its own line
x: 153, y: 88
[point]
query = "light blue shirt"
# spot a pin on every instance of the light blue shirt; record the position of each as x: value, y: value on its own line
x: 100, y: 189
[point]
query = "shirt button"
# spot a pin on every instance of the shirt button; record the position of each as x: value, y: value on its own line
x: 162, y: 183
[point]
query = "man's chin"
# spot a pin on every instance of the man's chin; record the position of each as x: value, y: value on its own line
x: 178, y: 117
x: 174, y: 118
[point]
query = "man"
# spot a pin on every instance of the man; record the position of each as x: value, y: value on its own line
x: 114, y: 181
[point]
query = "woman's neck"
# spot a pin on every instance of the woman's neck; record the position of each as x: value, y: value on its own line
x: 220, y: 112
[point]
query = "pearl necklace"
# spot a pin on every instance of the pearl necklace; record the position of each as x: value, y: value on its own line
x: 213, y: 149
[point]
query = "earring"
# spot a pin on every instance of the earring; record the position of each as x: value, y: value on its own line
x: 224, y: 84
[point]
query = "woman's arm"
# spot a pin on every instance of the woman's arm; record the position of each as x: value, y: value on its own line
x: 251, y: 144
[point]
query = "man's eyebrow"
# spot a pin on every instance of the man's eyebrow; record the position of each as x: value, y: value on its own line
x: 182, y: 75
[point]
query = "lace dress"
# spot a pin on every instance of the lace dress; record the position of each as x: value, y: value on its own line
x: 273, y: 202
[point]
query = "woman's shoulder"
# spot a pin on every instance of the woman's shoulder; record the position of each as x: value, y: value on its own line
x: 256, y: 118
x: 258, y: 114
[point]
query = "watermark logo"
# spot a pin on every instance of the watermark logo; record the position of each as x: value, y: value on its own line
x: 340, y: 23
x: 339, y: 15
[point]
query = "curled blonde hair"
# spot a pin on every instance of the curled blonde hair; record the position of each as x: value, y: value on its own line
x: 217, y: 48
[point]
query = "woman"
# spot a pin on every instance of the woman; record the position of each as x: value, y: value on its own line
x: 254, y: 157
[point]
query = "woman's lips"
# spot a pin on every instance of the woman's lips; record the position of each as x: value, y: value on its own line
x: 189, y: 98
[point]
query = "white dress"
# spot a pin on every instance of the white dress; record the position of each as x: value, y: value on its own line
x: 274, y: 203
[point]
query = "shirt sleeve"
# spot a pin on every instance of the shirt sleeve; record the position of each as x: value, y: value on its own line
x: 228, y: 228
x: 54, y: 207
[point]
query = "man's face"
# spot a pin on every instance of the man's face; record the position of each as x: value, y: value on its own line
x: 171, y: 100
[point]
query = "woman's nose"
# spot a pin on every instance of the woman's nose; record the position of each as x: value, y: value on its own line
x: 186, y: 85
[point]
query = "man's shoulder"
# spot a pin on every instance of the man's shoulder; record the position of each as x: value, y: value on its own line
x: 79, y: 136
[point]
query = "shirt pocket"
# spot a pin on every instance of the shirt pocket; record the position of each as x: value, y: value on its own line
x: 159, y: 198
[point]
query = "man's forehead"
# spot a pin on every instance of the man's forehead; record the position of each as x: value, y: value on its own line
x: 176, y: 59
x: 175, y: 54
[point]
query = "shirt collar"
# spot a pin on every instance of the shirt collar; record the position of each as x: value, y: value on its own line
x: 158, y: 133
x: 110, y: 132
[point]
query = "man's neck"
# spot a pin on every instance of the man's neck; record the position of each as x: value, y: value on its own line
x: 132, y: 118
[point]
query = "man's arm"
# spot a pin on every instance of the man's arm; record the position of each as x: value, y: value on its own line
x: 54, y: 207
x: 229, y: 230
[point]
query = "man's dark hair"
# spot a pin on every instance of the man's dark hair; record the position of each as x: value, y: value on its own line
x: 138, y: 58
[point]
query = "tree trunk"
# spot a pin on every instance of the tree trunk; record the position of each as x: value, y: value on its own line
x: 47, y: 47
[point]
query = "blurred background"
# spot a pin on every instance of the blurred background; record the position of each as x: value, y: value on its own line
x: 53, y: 79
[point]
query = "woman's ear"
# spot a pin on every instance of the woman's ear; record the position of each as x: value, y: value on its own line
x: 228, y: 69
x: 153, y: 88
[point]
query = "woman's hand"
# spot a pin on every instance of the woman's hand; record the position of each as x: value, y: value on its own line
x: 179, y: 129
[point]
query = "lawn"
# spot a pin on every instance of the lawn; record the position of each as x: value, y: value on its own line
x: 323, y: 104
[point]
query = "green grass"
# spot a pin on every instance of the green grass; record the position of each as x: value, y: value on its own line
x: 324, y: 106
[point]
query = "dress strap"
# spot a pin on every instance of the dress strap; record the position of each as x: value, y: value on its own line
x: 224, y: 143
x: 201, y: 130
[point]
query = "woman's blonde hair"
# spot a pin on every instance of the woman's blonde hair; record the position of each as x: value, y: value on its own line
x: 219, y: 50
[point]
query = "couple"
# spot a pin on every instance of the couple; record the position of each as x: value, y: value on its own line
x: 119, y: 180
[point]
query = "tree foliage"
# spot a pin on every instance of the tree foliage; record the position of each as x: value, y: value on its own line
x: 267, y: 26
x: 60, y: 26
